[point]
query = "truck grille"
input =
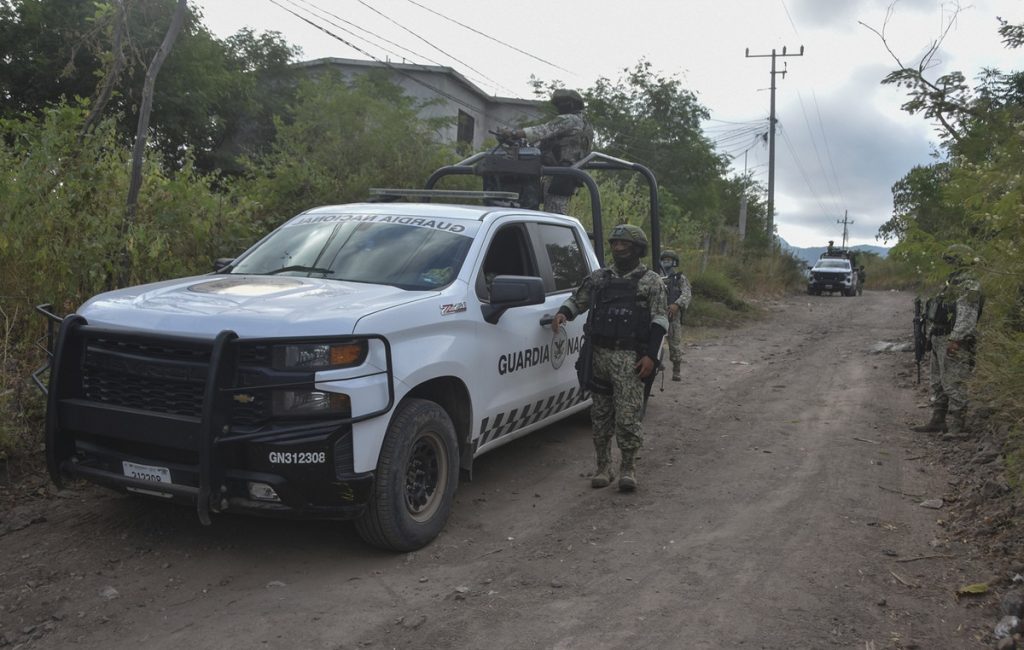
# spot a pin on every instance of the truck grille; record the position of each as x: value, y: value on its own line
x: 163, y: 377
x: 160, y: 378
x: 831, y: 278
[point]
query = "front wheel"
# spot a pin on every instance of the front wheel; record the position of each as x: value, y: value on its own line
x: 417, y: 474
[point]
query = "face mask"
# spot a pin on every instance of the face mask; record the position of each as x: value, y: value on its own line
x: 625, y: 258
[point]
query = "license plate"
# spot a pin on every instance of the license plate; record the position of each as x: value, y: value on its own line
x: 146, y: 472
x: 828, y: 286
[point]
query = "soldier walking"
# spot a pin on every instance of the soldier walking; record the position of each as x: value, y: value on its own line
x: 679, y: 296
x: 951, y: 317
x: 625, y: 329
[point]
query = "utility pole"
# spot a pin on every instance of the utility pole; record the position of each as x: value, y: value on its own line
x: 771, y: 133
x: 846, y: 222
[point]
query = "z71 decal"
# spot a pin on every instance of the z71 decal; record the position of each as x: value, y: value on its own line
x: 454, y: 308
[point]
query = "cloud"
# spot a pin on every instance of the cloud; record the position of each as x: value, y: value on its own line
x: 842, y: 153
x: 844, y: 14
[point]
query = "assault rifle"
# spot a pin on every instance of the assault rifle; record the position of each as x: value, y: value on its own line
x: 920, y: 339
x: 673, y: 287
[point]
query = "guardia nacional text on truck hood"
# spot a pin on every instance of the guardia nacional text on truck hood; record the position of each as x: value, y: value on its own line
x: 250, y: 305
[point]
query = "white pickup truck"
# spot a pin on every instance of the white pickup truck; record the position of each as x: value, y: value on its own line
x: 346, y: 366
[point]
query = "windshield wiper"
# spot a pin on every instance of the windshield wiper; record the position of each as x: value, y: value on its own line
x: 299, y: 267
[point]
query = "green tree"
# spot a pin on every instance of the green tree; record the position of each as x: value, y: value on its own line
x: 49, y: 51
x: 216, y: 99
x: 918, y: 205
x: 974, y: 196
x: 342, y: 139
x: 652, y: 119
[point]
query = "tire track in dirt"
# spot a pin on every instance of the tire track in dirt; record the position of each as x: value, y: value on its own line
x: 769, y: 515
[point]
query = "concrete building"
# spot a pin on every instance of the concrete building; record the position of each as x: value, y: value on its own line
x: 474, y: 112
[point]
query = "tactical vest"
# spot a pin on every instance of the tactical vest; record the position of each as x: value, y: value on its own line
x: 674, y: 287
x: 617, y: 319
x: 941, y: 312
x: 571, y: 148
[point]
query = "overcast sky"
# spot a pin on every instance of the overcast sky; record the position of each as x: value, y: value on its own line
x: 841, y: 142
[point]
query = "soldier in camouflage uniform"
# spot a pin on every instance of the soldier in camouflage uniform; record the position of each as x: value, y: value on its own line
x: 563, y: 141
x: 679, y: 296
x: 952, y: 320
x: 625, y: 328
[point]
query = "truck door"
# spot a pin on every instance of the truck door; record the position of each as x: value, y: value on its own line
x: 529, y: 372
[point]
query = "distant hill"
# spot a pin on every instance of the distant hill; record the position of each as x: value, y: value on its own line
x: 811, y: 255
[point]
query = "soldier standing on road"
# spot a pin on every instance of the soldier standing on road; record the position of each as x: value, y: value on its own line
x: 625, y: 329
x: 563, y: 141
x: 679, y: 296
x: 952, y: 320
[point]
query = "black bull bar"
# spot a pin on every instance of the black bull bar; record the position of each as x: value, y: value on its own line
x: 63, y: 390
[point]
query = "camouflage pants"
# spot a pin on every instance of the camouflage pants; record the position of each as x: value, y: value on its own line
x: 948, y: 375
x: 617, y: 415
x: 675, y: 340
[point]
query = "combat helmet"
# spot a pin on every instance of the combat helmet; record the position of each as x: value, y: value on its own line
x: 633, y: 234
x: 671, y: 254
x: 958, y: 255
x: 567, y: 100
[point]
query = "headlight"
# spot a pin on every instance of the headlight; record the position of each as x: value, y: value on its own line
x: 319, y: 356
x: 298, y: 403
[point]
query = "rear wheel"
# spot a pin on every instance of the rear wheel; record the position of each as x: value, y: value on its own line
x: 417, y: 474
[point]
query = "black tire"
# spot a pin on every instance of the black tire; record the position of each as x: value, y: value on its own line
x: 417, y: 473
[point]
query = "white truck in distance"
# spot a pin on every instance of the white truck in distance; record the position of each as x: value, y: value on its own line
x: 346, y: 366
x: 834, y: 272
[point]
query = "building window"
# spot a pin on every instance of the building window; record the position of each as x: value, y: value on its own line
x: 466, y: 127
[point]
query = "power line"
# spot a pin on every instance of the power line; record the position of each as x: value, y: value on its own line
x: 450, y: 56
x: 439, y: 92
x: 364, y: 39
x: 731, y: 122
x: 817, y: 154
x: 348, y: 31
x: 828, y: 150
x: 791, y: 23
x: 477, y: 31
x: 408, y: 76
x: 800, y: 167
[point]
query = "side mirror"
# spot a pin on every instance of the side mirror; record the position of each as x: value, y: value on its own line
x: 222, y: 263
x: 512, y: 291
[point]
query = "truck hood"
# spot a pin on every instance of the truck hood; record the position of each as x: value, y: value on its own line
x: 253, y: 306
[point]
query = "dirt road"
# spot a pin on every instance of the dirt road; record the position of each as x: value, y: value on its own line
x: 778, y: 508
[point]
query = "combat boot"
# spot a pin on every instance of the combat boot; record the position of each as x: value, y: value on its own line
x: 936, y: 425
x: 603, y: 477
x: 676, y: 375
x: 604, y: 474
x: 956, y: 429
x: 627, y: 470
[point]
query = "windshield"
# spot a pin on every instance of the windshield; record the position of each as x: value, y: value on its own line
x: 833, y: 264
x: 415, y: 256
